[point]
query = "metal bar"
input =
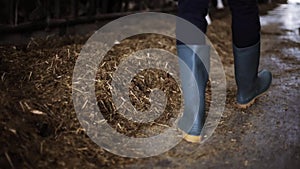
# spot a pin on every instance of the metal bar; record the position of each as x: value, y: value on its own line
x: 11, y: 11
x: 74, y: 8
x: 97, y: 4
x: 16, y: 12
x: 56, y: 9
x: 105, y: 6
x: 126, y: 5
x: 92, y: 7
x: 48, y: 10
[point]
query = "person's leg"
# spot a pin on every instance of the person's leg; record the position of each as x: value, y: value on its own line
x: 245, y: 22
x: 246, y: 50
x: 192, y: 121
x: 194, y: 11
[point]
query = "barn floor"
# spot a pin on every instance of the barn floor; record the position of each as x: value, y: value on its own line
x: 39, y: 128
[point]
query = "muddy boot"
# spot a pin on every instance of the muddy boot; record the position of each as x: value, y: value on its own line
x: 250, y: 82
x: 194, y: 77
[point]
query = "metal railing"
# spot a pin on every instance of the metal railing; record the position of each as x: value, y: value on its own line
x: 17, y: 15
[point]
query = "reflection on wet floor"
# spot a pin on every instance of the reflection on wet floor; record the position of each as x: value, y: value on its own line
x: 293, y: 51
x: 286, y: 16
x: 293, y: 1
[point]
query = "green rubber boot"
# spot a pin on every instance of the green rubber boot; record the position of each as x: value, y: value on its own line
x: 194, y: 77
x: 250, y: 82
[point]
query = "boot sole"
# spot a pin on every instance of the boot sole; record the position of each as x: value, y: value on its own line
x: 245, y: 106
x: 192, y: 139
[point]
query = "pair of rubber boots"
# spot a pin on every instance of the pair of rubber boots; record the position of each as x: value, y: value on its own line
x: 250, y: 83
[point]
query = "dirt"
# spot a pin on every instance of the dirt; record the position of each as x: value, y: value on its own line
x: 39, y: 127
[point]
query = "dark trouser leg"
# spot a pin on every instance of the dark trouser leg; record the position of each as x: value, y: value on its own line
x: 245, y: 22
x: 246, y: 50
x: 193, y: 11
